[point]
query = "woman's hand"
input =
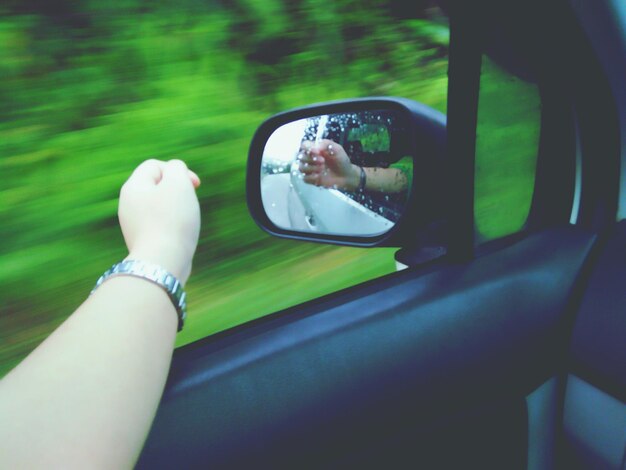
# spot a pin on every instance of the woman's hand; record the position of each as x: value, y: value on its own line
x: 326, y: 163
x: 160, y: 215
x: 110, y: 358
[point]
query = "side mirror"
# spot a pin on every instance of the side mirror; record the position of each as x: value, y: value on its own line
x: 362, y: 172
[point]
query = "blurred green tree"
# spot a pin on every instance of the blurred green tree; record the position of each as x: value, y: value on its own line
x: 90, y: 88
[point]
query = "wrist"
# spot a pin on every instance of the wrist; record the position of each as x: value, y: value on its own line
x: 354, y: 178
x: 169, y: 259
x: 155, y: 274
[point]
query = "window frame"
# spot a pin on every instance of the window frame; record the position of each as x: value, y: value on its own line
x: 577, y: 171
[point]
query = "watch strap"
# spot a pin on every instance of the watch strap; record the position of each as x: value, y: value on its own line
x: 362, y: 180
x: 155, y: 274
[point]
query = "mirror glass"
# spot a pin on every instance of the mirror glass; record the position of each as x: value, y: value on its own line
x: 340, y: 174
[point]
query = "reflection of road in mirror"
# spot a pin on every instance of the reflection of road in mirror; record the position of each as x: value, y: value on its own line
x: 342, y: 174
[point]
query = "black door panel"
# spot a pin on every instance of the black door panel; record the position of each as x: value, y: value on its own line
x: 594, y: 421
x: 598, y: 347
x: 328, y: 381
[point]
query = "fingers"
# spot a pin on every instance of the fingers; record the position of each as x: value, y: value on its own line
x: 310, y: 163
x: 311, y: 159
x: 333, y: 152
x: 312, y: 166
x: 195, y: 179
x: 308, y: 149
x: 148, y: 172
x: 179, y: 169
x: 320, y: 151
x: 175, y: 173
x: 314, y: 179
x: 153, y: 172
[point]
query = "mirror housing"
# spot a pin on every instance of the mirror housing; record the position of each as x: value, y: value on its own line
x: 423, y: 133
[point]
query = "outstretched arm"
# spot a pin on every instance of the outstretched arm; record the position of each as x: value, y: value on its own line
x: 326, y: 163
x: 86, y: 397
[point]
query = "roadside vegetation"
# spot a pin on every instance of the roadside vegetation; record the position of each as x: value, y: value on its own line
x: 90, y: 89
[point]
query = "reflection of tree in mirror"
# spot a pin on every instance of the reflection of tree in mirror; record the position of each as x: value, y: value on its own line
x: 274, y: 167
x: 371, y: 138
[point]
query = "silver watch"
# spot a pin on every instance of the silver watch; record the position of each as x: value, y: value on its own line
x: 155, y: 274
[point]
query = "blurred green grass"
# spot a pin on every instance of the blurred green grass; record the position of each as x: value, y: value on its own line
x: 88, y: 94
x: 507, y: 139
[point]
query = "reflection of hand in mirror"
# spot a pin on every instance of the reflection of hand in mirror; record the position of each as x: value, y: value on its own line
x: 326, y: 163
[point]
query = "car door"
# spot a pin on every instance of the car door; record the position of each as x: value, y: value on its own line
x: 473, y: 359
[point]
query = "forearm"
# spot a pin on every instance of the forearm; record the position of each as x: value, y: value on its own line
x: 387, y: 180
x: 87, y: 395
